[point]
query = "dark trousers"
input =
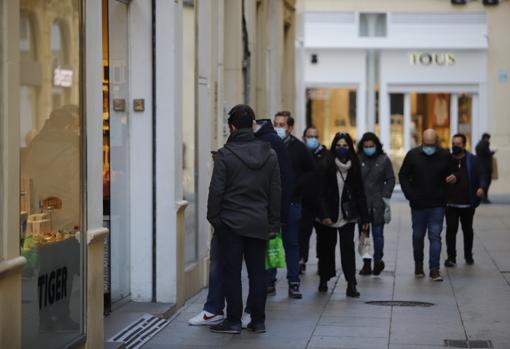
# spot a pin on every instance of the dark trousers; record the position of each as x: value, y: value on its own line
x: 305, y: 231
x: 215, y: 297
x: 290, y: 237
x: 232, y: 249
x: 326, y: 242
x: 465, y: 216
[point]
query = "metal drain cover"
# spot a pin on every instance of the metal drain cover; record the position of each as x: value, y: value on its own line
x: 140, y: 331
x: 400, y: 303
x: 462, y: 343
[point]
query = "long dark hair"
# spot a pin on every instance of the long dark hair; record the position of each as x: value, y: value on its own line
x: 370, y: 136
x: 355, y: 164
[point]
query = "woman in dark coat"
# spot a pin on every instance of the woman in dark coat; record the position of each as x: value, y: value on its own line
x: 378, y: 181
x: 342, y: 205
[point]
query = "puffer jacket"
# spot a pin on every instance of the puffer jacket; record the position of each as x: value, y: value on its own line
x: 379, y: 182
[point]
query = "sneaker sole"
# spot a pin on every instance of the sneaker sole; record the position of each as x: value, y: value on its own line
x: 419, y: 276
x: 437, y: 279
x: 257, y: 331
x: 208, y: 323
x: 226, y: 331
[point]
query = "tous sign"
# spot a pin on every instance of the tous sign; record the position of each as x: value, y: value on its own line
x: 433, y: 58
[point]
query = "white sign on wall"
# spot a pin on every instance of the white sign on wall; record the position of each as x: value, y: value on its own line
x: 62, y: 77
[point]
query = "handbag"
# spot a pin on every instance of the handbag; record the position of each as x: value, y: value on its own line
x: 494, y: 174
x: 275, y: 255
x: 350, y: 207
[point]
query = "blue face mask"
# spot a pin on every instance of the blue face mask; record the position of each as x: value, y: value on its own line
x: 281, y: 132
x: 342, y: 152
x: 370, y: 151
x: 429, y: 149
x: 312, y: 143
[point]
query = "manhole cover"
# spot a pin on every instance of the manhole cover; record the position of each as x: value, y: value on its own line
x: 400, y: 303
x: 462, y: 343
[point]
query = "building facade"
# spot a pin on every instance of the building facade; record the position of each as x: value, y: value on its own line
x: 109, y: 112
x: 399, y: 67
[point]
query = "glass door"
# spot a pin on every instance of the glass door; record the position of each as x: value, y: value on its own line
x: 116, y: 150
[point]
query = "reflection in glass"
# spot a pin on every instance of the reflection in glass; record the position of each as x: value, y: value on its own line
x: 465, y: 108
x: 397, y: 149
x: 50, y: 153
x: 431, y: 110
x: 332, y: 110
x: 188, y: 134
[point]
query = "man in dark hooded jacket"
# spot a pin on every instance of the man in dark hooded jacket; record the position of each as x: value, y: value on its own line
x: 244, y: 209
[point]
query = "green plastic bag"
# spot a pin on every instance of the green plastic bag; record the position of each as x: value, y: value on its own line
x: 275, y: 255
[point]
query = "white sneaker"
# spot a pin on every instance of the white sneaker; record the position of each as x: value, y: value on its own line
x: 245, y: 320
x: 204, y: 318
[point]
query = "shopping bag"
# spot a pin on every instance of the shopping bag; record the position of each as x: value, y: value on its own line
x: 495, y: 172
x: 275, y: 255
x: 364, y: 246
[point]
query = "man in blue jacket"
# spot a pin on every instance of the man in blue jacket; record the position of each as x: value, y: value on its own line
x: 463, y: 198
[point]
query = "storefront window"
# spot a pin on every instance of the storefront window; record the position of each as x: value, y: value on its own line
x: 51, y: 220
x: 431, y: 110
x: 397, y: 149
x: 465, y: 108
x: 188, y: 133
x: 332, y: 110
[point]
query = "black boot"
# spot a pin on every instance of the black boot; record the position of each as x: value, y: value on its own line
x: 294, y: 290
x: 367, y: 267
x: 378, y: 267
x: 351, y: 290
x: 323, y: 285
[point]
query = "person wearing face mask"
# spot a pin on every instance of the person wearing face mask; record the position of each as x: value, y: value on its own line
x: 425, y: 174
x: 342, y: 204
x: 379, y: 181
x: 463, y: 198
x: 302, y: 168
x: 310, y: 197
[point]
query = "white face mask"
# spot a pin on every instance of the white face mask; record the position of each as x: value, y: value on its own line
x: 281, y: 132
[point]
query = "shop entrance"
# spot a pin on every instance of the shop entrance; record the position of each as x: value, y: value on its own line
x: 332, y: 110
x: 414, y: 112
x: 116, y: 190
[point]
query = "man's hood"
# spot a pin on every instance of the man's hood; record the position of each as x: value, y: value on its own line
x: 266, y: 126
x: 252, y: 153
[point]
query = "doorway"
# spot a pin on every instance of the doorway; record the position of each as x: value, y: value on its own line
x: 414, y: 112
x: 116, y: 190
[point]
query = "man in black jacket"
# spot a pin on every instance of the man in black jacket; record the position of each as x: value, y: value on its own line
x: 485, y: 154
x: 244, y: 209
x: 302, y: 166
x: 424, y: 176
x: 310, y: 194
x: 463, y: 198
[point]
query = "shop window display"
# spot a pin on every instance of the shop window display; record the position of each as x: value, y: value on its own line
x: 189, y: 126
x: 51, y: 222
x: 332, y: 110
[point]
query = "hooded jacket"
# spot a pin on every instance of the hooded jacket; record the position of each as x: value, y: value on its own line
x: 245, y: 193
x: 267, y: 133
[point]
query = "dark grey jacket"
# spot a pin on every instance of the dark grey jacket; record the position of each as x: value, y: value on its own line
x: 379, y: 181
x: 245, y: 191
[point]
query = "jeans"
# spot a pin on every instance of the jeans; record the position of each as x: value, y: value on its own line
x: 326, y: 241
x: 378, y: 237
x: 430, y: 219
x: 305, y: 231
x: 290, y: 237
x: 233, y: 247
x: 465, y: 215
x: 215, y: 297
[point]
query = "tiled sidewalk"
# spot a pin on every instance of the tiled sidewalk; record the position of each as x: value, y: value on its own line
x: 472, y: 303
